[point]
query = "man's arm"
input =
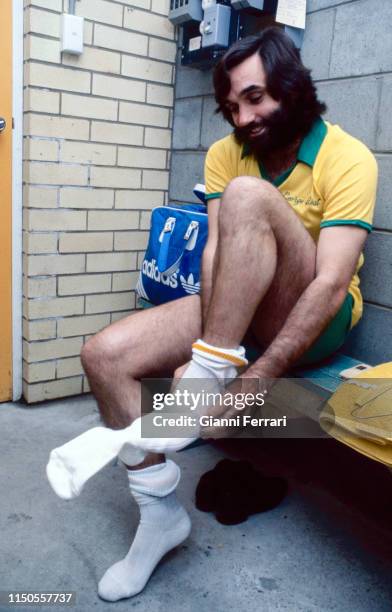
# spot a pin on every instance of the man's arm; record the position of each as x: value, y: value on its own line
x: 208, y: 258
x: 338, y: 251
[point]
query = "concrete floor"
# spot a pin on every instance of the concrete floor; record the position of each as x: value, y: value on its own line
x: 326, y: 547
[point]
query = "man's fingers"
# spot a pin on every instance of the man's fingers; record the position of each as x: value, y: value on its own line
x: 181, y: 371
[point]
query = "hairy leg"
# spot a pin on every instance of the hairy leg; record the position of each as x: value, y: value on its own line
x: 149, y: 343
x: 265, y: 260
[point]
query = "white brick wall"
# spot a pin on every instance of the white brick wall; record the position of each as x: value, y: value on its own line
x: 97, y: 137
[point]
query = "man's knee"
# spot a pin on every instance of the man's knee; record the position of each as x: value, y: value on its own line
x: 89, y: 355
x: 248, y: 194
x: 246, y: 204
x: 98, y: 354
x: 250, y: 188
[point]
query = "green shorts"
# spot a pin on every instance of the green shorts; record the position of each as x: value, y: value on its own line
x: 332, y: 338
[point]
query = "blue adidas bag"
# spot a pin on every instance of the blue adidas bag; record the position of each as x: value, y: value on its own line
x: 172, y: 262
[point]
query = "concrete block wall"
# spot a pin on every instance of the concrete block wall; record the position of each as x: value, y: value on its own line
x: 348, y: 46
x: 97, y: 152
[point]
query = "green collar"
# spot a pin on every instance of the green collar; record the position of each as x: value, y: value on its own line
x: 310, y: 144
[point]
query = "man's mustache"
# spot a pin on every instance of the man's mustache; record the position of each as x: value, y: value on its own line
x: 243, y: 133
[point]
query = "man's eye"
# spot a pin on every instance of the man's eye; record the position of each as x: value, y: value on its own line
x: 256, y: 99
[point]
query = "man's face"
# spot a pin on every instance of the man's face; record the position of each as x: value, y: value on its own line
x: 260, y: 121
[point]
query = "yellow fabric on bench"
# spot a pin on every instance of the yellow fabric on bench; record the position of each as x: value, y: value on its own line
x: 359, y: 413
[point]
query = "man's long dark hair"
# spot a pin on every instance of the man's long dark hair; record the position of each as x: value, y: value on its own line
x: 287, y: 79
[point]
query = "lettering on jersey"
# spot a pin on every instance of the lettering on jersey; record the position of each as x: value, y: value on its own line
x: 296, y: 200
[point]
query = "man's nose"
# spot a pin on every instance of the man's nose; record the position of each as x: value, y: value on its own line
x: 245, y: 116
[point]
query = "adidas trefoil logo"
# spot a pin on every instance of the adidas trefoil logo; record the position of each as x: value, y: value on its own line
x: 189, y: 284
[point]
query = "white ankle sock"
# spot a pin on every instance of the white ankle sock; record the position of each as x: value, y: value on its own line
x: 71, y: 465
x: 164, y: 524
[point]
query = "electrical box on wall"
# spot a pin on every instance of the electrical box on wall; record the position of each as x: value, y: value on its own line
x: 215, y: 27
x: 209, y: 27
x: 241, y: 4
x: 72, y: 34
x: 185, y: 10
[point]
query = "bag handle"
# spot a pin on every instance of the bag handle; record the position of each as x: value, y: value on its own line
x: 164, y: 239
x: 189, y: 238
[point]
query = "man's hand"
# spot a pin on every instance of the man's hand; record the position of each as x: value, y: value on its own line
x: 179, y: 372
x: 244, y: 396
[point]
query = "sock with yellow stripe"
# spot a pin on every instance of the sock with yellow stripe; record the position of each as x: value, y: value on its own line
x: 211, y: 367
x: 212, y: 362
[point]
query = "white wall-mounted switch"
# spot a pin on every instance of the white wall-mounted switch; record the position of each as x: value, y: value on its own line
x: 72, y: 34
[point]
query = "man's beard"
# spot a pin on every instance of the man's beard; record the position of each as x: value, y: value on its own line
x: 280, y: 131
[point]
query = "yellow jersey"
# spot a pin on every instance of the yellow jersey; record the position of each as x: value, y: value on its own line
x: 333, y: 182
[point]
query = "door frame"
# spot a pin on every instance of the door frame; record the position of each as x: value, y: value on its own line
x: 17, y: 197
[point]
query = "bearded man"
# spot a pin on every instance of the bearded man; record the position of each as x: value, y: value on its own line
x: 290, y: 204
